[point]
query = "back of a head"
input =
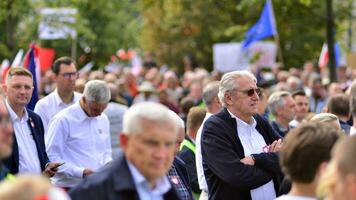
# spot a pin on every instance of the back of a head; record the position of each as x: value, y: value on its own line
x: 324, y: 117
x: 195, y: 118
x: 344, y: 155
x: 97, y: 91
x: 305, y: 148
x: 147, y: 112
x: 339, y: 105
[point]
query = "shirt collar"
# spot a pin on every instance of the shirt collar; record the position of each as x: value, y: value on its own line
x: 13, y: 115
x: 162, y: 184
x: 242, y: 123
x: 81, y: 113
x: 58, y: 99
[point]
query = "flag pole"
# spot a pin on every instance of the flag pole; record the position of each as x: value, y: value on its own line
x: 279, y: 50
x: 276, y: 36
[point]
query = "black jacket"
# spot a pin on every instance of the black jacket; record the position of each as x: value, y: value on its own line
x: 36, y: 126
x: 113, y: 182
x: 188, y: 156
x: 227, y: 177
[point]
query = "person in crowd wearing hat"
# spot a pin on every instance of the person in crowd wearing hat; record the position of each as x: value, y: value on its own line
x: 147, y: 93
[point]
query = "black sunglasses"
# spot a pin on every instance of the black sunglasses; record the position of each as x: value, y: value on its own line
x: 251, y: 92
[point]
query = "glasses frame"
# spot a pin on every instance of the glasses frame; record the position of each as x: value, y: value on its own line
x: 69, y: 74
x: 251, y: 92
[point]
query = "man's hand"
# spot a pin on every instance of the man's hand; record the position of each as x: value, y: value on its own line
x: 87, y: 172
x: 51, y: 169
x: 248, y: 160
x: 275, y: 146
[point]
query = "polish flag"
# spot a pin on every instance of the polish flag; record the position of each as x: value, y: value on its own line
x: 324, y: 56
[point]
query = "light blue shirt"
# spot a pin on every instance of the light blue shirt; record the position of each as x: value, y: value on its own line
x: 145, y: 192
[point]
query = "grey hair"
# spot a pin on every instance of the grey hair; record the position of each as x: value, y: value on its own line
x: 228, y: 83
x: 98, y: 91
x: 151, y: 112
x: 324, y: 117
x: 210, y: 91
x: 276, y: 100
x: 179, y: 121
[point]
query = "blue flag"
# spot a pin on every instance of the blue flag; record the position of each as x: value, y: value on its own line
x: 32, y: 69
x: 264, y: 27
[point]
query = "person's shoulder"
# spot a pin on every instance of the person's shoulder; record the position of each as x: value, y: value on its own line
x: 32, y: 114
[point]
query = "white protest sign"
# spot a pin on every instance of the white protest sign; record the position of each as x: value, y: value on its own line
x: 230, y: 56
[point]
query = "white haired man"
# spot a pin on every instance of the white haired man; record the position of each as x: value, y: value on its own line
x: 238, y: 145
x: 79, y: 136
x: 148, y: 142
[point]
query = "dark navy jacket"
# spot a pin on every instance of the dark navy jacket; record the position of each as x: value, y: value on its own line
x: 36, y: 126
x: 227, y: 177
x: 113, y: 182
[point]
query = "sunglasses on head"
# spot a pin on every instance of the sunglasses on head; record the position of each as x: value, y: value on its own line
x: 251, y: 92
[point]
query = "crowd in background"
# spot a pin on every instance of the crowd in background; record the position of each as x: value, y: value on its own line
x: 291, y: 101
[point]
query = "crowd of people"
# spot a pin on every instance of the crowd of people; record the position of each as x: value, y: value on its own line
x: 248, y: 134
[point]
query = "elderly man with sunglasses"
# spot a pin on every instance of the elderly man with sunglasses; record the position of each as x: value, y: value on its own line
x: 63, y: 96
x: 239, y: 147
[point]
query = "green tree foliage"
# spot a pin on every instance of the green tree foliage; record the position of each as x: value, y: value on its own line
x: 178, y: 27
x: 170, y: 29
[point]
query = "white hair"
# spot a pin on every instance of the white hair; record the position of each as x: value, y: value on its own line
x: 276, y: 100
x: 228, y: 83
x: 137, y: 114
x: 179, y: 121
x: 98, y: 91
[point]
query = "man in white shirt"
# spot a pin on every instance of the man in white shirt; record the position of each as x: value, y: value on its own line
x: 148, y: 141
x: 79, y: 136
x: 212, y: 103
x: 28, y: 151
x: 238, y: 145
x: 63, y: 96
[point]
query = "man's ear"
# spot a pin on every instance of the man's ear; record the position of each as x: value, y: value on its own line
x: 123, y: 140
x: 228, y: 98
x: 4, y: 88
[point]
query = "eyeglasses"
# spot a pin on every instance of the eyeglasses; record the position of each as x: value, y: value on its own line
x: 251, y: 92
x: 70, y: 74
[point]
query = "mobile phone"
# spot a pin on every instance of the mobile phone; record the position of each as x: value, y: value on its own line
x: 60, y: 164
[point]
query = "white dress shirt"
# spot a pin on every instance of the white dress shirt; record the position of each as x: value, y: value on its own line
x: 79, y: 141
x: 28, y: 155
x: 145, y: 192
x: 198, y: 157
x: 253, y: 143
x: 50, y: 105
